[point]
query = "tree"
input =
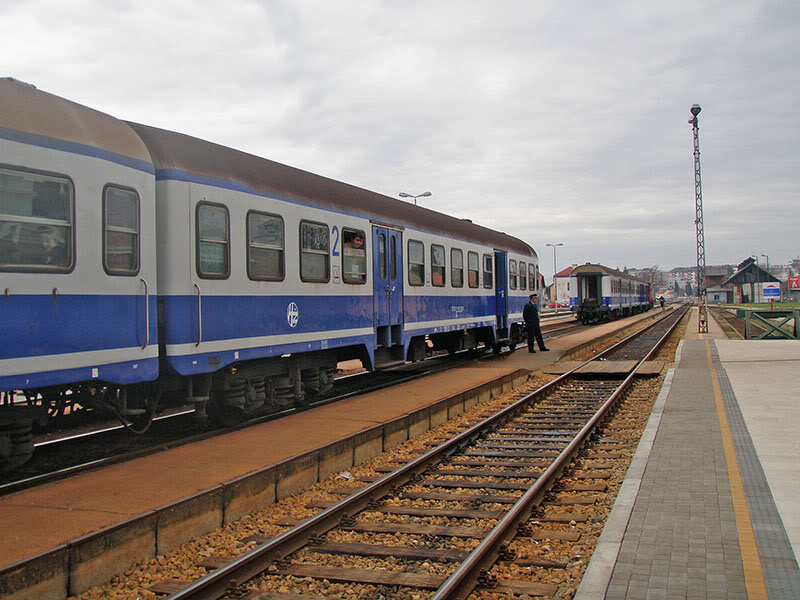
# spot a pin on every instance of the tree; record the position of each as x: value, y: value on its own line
x: 689, y: 289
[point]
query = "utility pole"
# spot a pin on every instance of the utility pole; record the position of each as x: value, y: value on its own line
x: 702, y: 296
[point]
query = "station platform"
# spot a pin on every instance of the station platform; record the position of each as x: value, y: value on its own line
x: 710, y: 507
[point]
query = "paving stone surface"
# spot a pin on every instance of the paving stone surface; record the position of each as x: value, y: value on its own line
x: 681, y: 540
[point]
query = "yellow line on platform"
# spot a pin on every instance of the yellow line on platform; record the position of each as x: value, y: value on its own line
x: 751, y: 561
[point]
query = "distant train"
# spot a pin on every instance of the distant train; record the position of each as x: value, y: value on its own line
x: 137, y: 262
x: 599, y: 293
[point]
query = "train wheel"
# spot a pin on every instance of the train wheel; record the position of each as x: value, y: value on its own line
x: 16, y: 444
x: 226, y: 406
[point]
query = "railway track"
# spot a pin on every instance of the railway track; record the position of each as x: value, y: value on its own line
x: 481, y: 488
x: 732, y: 325
x: 71, y: 453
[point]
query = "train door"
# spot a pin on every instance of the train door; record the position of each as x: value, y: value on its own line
x: 501, y: 295
x: 387, y: 263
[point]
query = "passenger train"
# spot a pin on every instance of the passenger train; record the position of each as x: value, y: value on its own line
x: 137, y: 262
x: 599, y: 293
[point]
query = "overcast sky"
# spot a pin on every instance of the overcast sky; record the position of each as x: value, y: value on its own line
x: 556, y: 122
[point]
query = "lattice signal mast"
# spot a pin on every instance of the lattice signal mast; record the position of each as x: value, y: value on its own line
x: 702, y: 295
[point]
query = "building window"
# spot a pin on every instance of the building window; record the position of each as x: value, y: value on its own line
x: 265, y: 247
x: 314, y: 252
x: 213, y: 235
x: 473, y: 269
x: 512, y: 274
x: 36, y: 222
x: 456, y: 267
x: 488, y: 271
x: 416, y: 263
x: 437, y: 265
x: 121, y: 235
x: 354, y: 256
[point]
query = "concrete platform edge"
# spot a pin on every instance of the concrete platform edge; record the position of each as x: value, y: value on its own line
x: 598, y: 574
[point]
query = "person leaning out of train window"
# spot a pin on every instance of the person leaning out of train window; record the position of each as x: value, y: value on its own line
x: 357, y: 242
x: 530, y: 314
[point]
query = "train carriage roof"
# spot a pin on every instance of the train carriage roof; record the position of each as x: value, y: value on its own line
x: 32, y: 116
x: 592, y: 269
x: 179, y: 155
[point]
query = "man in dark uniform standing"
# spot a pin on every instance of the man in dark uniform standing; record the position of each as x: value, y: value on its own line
x: 531, y: 316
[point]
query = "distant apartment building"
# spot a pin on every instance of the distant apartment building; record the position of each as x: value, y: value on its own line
x: 561, y: 287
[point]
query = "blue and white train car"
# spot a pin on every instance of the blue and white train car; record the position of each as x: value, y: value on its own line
x: 600, y: 293
x: 130, y: 254
x: 262, y: 291
x: 77, y: 254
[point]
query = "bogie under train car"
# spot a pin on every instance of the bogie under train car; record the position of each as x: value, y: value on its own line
x: 138, y: 263
x: 600, y: 293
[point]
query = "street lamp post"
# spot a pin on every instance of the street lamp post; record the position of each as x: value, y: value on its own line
x: 555, y: 287
x: 422, y: 195
x: 762, y: 287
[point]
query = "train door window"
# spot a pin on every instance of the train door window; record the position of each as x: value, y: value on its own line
x: 473, y: 269
x: 265, y: 247
x: 382, y: 255
x: 488, y: 271
x: 314, y: 252
x: 354, y: 256
x: 512, y: 274
x: 532, y: 276
x: 213, y: 235
x: 456, y: 267
x: 393, y: 257
x: 36, y: 217
x: 121, y: 231
x: 438, y: 265
x: 416, y: 263
x: 523, y: 276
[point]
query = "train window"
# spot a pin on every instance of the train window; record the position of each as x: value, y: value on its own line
x: 523, y: 276
x: 512, y: 274
x: 213, y: 235
x: 456, y: 267
x: 354, y: 256
x: 473, y: 269
x: 532, y: 277
x: 314, y: 252
x: 36, y: 212
x: 416, y: 263
x: 488, y: 271
x: 265, y: 247
x: 393, y: 257
x: 438, y: 265
x: 121, y: 231
x: 382, y: 255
